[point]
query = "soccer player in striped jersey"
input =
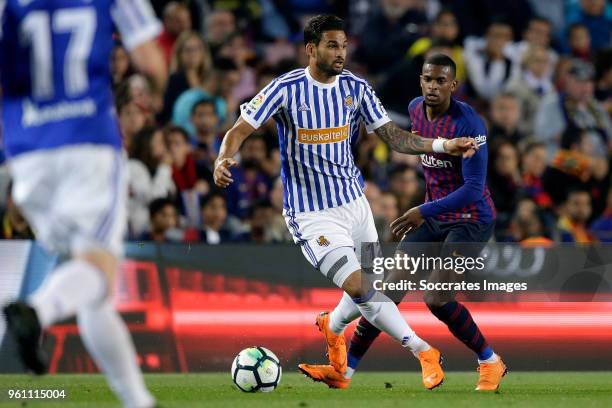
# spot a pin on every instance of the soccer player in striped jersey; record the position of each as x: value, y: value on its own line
x: 318, y: 111
x: 458, y: 210
x: 65, y: 157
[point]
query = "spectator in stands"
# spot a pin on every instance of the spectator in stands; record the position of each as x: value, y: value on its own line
x: 163, y: 221
x: 388, y: 33
x: 120, y: 65
x: 504, y: 181
x: 444, y: 30
x: 576, y: 108
x: 150, y: 176
x: 404, y: 184
x: 390, y: 212
x: 220, y: 24
x: 602, y: 226
x: 191, y: 67
x: 592, y: 14
x: 532, y: 85
x: 176, y: 20
x: 277, y: 229
x: 185, y: 175
x: 140, y: 92
x: 505, y: 118
x: 538, y: 34
x: 475, y: 15
x: 227, y: 79
x: 14, y: 225
x: 603, y: 90
x: 579, y: 41
x: 131, y: 118
x: 206, y: 124
x: 576, y: 166
x: 489, y: 68
x: 533, y: 166
x: 527, y: 225
x: 259, y: 222
x: 251, y: 184
x: 236, y: 49
x: 184, y: 172
x: 575, y: 214
x: 214, y: 215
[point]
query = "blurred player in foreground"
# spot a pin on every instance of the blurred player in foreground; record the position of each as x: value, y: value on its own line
x: 64, y: 155
x: 458, y: 210
x: 318, y: 111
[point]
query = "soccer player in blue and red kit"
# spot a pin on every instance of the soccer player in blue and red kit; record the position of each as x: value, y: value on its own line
x: 458, y: 209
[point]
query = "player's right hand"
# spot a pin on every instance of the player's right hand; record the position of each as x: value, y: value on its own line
x: 222, y: 175
x: 461, y: 146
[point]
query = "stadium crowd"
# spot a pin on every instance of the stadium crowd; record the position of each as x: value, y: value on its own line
x: 538, y: 71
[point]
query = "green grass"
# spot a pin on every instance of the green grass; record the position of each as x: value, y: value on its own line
x: 369, y: 389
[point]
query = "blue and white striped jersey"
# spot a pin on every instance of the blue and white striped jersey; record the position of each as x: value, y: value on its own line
x: 54, y: 69
x: 317, y: 124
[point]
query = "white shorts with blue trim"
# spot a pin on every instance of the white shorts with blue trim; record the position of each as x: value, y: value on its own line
x: 320, y: 232
x: 74, y: 197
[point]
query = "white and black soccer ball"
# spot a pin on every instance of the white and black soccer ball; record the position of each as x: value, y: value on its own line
x: 256, y: 369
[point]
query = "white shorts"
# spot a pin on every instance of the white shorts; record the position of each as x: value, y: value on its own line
x: 320, y: 232
x: 74, y: 197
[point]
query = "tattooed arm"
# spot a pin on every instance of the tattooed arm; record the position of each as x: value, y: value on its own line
x: 403, y: 141
x: 406, y: 142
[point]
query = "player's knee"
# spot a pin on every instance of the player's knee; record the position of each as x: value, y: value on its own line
x: 341, y: 266
x: 101, y: 259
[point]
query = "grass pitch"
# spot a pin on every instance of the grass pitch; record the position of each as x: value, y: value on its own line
x: 369, y: 389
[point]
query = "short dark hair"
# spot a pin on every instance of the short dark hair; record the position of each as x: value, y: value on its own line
x: 204, y: 101
x: 177, y: 129
x: 210, y: 196
x: 316, y: 26
x: 575, y: 26
x: 442, y: 60
x: 159, y: 204
x: 540, y: 19
x: 531, y: 145
x: 399, y: 169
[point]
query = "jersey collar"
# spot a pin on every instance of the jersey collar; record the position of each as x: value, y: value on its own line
x: 317, y: 83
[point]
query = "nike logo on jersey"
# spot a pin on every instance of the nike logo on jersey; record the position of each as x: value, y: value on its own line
x: 481, y: 139
x: 431, y: 161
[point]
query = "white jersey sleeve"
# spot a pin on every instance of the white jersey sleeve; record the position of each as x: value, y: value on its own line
x: 135, y: 21
x: 372, y: 111
x: 264, y: 105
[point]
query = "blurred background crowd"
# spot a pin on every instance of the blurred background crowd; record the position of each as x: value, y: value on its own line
x: 538, y: 71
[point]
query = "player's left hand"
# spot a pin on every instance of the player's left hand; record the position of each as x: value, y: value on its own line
x: 411, y: 220
x: 461, y: 146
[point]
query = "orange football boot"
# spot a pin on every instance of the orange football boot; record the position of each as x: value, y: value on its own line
x: 491, y: 375
x: 336, y: 344
x: 431, y: 367
x: 326, y: 374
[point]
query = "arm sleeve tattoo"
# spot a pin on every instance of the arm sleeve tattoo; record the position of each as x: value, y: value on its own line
x: 401, y: 140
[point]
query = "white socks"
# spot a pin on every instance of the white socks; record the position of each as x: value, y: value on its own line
x: 345, y: 312
x: 78, y: 288
x: 384, y: 314
x: 493, y: 359
x: 108, y: 341
x: 66, y: 290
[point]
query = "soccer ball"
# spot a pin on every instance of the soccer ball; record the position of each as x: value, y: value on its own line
x: 256, y: 369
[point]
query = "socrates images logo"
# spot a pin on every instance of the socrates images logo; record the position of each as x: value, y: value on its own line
x: 322, y: 241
